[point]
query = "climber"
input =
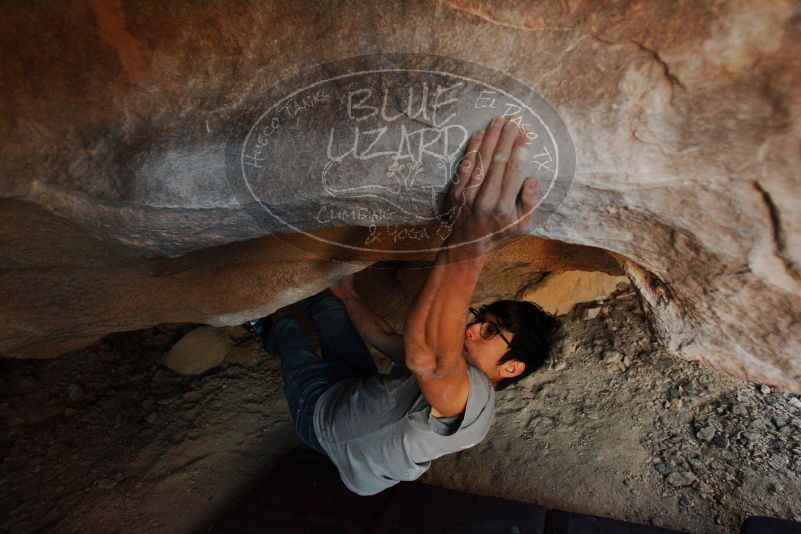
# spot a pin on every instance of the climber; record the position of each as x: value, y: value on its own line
x: 439, y: 397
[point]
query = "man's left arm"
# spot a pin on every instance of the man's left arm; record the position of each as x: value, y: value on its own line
x: 374, y: 329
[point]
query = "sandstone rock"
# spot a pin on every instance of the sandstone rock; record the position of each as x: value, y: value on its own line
x: 559, y: 292
x: 237, y: 332
x: 115, y: 197
x: 247, y: 355
x: 198, y: 351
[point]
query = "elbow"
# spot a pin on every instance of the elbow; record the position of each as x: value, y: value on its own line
x: 423, y: 369
x: 424, y: 362
x: 419, y: 358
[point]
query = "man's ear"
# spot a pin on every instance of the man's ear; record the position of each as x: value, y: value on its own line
x: 512, y: 368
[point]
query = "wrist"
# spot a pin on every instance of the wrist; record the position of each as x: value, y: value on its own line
x: 472, y: 255
x: 349, y: 299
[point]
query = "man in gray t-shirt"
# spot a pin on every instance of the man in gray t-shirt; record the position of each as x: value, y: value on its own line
x: 440, y: 396
x: 380, y: 431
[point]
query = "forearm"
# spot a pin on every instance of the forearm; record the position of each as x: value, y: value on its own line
x: 434, y: 330
x: 374, y: 330
x: 392, y: 346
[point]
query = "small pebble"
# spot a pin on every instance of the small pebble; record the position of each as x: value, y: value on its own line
x: 74, y: 392
x: 706, y: 433
x: 106, y: 483
x: 191, y: 396
x: 721, y: 440
x: 664, y: 468
x: 159, y: 376
x: 678, y: 480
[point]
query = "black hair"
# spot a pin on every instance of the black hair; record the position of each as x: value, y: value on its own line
x: 534, y: 330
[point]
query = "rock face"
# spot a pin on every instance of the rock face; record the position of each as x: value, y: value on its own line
x: 559, y: 292
x: 198, y: 351
x: 119, y: 209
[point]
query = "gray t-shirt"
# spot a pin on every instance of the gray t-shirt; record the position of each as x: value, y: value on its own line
x: 380, y: 431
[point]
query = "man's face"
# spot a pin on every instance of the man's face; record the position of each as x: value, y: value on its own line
x: 484, y: 354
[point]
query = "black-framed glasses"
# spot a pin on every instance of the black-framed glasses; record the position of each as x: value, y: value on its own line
x: 488, y: 329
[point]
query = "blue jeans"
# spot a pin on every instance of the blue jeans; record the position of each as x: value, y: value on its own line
x: 306, y: 376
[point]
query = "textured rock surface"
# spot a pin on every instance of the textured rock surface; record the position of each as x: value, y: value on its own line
x: 198, y: 351
x: 559, y: 292
x: 63, y: 289
x: 685, y: 119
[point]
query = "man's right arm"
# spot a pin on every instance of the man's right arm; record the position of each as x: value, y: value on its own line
x: 494, y: 201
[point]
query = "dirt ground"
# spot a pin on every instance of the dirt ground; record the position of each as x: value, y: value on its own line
x: 107, y: 440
